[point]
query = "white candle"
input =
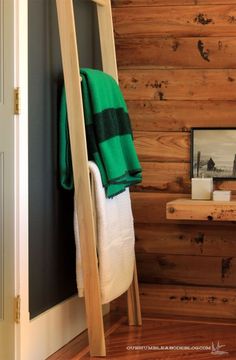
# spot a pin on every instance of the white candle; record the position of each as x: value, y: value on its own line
x: 202, y: 188
x: 221, y: 195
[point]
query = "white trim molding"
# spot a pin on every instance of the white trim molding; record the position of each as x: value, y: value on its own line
x: 21, y: 172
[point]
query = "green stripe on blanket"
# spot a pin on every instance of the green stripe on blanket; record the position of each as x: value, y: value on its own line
x: 108, y: 132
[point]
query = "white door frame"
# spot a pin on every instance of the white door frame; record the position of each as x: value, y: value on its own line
x: 35, y: 339
x: 21, y: 170
x: 7, y: 234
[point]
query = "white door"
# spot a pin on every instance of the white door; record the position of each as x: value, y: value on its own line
x: 28, y: 340
x: 7, y: 285
x: 46, y: 333
x: 36, y: 339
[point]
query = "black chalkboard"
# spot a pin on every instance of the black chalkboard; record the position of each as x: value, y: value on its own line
x: 51, y: 240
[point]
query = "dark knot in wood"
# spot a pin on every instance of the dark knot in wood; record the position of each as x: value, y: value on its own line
x: 171, y: 210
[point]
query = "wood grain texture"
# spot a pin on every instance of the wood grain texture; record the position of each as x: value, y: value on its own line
x: 99, y: 2
x: 187, y: 270
x: 109, y: 65
x: 199, y: 53
x: 226, y: 185
x: 106, y: 38
x: 180, y: 115
x: 208, y: 302
x: 178, y: 21
x: 79, y: 346
x: 172, y: 178
x: 163, y: 146
x: 135, y: 3
x: 185, y: 209
x: 83, y: 199
x: 151, y: 208
x: 186, y: 240
x: 178, y: 84
x: 164, y: 330
x: 134, y: 307
x: 165, y: 177
x: 177, y: 71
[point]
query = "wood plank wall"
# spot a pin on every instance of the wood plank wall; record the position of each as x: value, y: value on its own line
x: 177, y: 70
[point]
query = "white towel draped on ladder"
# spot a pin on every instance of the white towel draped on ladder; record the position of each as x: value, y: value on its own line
x: 115, y: 241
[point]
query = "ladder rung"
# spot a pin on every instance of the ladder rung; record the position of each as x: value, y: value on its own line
x: 100, y: 2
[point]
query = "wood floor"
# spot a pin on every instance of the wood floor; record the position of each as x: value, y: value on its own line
x: 157, y: 332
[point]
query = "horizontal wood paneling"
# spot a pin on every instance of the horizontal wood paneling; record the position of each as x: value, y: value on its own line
x: 178, y: 84
x: 166, y: 177
x: 154, y: 146
x: 191, y: 21
x: 225, y: 185
x: 182, y: 269
x: 150, y: 208
x: 185, y: 240
x: 181, y: 115
x: 212, y: 53
x: 177, y: 71
x: 134, y: 3
x: 172, y: 178
x: 208, y: 302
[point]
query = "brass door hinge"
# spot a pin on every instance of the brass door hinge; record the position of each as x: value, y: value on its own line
x: 17, y: 309
x: 17, y: 101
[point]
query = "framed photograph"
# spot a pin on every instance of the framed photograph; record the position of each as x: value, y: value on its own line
x: 213, y: 153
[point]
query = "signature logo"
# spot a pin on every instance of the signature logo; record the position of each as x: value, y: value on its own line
x: 215, y: 349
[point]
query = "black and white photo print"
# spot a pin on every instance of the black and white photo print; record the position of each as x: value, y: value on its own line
x: 213, y: 153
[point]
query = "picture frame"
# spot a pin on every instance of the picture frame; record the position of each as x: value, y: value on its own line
x: 213, y: 153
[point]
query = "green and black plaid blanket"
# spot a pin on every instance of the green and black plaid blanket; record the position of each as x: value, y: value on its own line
x: 108, y: 132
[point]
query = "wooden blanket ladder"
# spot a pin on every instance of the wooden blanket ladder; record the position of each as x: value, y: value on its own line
x: 84, y: 199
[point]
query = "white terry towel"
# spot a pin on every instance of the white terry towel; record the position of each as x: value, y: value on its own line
x: 115, y: 241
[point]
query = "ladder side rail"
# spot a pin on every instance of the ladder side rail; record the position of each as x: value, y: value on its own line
x: 109, y: 63
x: 84, y: 205
x: 107, y: 41
x: 100, y: 2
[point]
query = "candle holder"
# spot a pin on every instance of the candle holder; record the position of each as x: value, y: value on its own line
x: 202, y: 188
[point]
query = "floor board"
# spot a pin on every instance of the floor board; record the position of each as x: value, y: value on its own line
x: 157, y: 332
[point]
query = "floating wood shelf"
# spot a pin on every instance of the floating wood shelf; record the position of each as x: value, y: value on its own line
x: 187, y: 209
